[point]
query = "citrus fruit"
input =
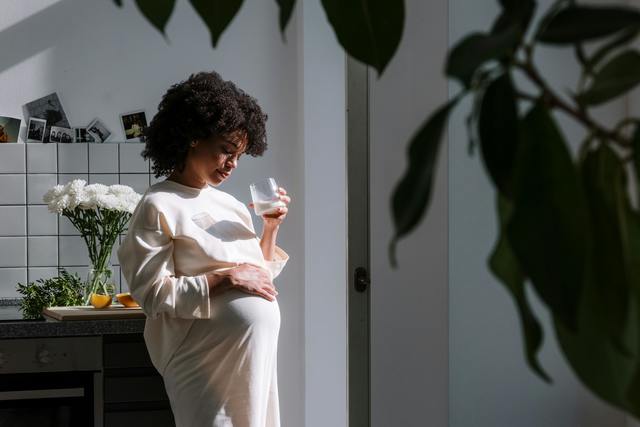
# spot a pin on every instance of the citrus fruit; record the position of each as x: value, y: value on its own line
x: 127, y: 300
x: 100, y: 301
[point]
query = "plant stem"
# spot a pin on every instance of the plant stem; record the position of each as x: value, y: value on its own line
x: 554, y: 101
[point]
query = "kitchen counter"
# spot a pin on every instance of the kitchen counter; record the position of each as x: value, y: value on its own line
x: 12, y: 325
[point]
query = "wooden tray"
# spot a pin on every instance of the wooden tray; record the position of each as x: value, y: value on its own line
x: 88, y: 312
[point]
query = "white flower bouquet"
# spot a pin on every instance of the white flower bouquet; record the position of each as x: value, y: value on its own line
x: 100, y: 213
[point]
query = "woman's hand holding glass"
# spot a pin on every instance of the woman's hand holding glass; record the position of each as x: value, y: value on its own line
x: 246, y: 277
x: 274, y: 219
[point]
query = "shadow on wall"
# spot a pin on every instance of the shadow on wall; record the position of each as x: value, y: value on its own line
x: 40, y: 31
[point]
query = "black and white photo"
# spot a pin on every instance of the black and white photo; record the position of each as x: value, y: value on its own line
x: 60, y: 134
x: 81, y: 135
x: 50, y: 109
x: 35, y: 130
x: 133, y: 125
x: 9, y: 129
x: 98, y: 131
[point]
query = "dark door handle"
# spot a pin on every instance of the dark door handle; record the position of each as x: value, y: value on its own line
x: 361, y: 281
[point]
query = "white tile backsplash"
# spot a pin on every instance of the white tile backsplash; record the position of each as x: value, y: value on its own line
x: 73, y: 158
x: 42, y: 158
x: 138, y: 181
x: 12, y: 158
x: 13, y: 251
x: 38, y: 185
x: 9, y: 279
x: 103, y: 178
x: 41, y: 222
x: 66, y: 227
x: 103, y: 158
x: 73, y: 251
x: 13, y: 189
x: 130, y: 159
x: 43, y: 251
x: 13, y: 221
x: 64, y: 178
x: 44, y: 273
x: 35, y: 242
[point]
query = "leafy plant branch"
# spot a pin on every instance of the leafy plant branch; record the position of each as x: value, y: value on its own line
x: 552, y: 100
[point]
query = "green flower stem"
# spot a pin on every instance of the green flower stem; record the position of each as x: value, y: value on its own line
x: 99, y: 229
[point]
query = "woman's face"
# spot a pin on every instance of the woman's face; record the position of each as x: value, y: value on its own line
x: 214, y: 159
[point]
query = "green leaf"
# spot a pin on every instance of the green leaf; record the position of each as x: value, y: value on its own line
x: 412, y: 194
x: 157, y: 12
x: 476, y: 49
x: 514, y: 12
x: 623, y: 38
x: 605, y: 184
x: 217, y: 15
x: 498, y: 130
x: 516, y: 6
x: 575, y: 24
x: 118, y: 3
x: 636, y: 157
x: 504, y: 266
x: 595, y: 360
x: 615, y: 78
x: 368, y: 30
x: 633, y: 390
x: 548, y: 230
x: 286, y: 9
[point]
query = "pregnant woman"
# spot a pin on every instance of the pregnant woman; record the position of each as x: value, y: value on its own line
x: 194, y: 263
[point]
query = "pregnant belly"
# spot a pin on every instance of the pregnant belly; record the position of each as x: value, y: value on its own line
x: 238, y: 319
x: 222, y: 357
x: 241, y: 310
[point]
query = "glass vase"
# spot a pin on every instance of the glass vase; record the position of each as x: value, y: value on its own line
x: 100, y: 282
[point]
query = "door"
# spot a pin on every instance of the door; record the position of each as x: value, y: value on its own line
x: 398, y: 318
x: 358, y: 238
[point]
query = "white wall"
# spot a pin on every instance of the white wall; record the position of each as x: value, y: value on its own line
x: 103, y: 61
x: 323, y: 108
x: 409, y: 305
x: 490, y: 383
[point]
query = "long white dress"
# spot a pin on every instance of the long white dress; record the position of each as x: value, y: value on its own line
x: 217, y: 354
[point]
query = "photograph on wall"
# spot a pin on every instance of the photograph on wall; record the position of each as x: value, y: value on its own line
x: 81, y: 135
x: 133, y: 124
x: 9, y: 129
x: 35, y: 130
x: 50, y: 109
x: 60, y: 134
x: 98, y: 131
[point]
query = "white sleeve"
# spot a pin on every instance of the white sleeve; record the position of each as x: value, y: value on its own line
x: 280, y: 256
x: 146, y: 261
x: 278, y: 263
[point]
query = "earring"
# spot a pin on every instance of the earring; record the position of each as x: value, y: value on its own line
x: 193, y: 143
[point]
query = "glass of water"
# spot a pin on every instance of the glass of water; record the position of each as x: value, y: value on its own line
x: 265, y: 196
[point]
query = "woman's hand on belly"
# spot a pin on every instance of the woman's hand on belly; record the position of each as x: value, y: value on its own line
x: 246, y: 277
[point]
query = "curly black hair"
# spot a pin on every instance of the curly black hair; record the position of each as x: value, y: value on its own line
x: 201, y: 107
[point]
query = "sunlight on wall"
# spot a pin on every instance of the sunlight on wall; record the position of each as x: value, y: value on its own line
x: 13, y: 11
